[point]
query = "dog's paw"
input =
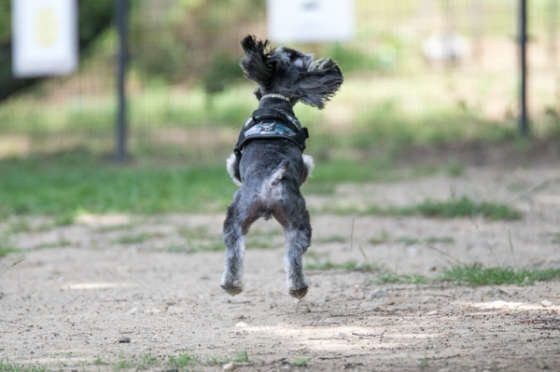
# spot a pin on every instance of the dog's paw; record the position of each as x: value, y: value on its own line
x: 232, y: 288
x: 298, y: 293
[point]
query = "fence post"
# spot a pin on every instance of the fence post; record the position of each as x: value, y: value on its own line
x: 121, y: 8
x: 522, y: 39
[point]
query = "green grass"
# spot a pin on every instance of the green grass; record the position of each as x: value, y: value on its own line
x: 147, y: 361
x: 476, y: 275
x: 423, y: 363
x: 387, y: 277
x: 13, y: 367
x: 347, y: 266
x: 330, y: 239
x: 135, y: 239
x: 197, y: 239
x: 4, y: 251
x: 67, y: 184
x: 300, y: 361
x: 240, y: 357
x: 453, y: 208
x: 384, y: 238
x: 464, y: 207
x: 53, y: 245
x: 182, y: 360
x: 217, y: 360
x: 472, y: 275
x: 555, y: 238
x: 123, y: 364
x: 264, y: 242
x: 439, y: 240
x: 99, y: 362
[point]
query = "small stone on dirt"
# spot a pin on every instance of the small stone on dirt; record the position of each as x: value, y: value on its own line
x: 546, y: 303
x: 124, y: 340
x: 229, y: 366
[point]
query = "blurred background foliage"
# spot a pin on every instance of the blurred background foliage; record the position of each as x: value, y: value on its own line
x: 188, y: 96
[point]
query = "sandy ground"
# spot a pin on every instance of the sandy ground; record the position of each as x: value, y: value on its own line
x: 77, y: 290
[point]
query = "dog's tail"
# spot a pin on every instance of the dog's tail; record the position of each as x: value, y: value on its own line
x: 270, y: 188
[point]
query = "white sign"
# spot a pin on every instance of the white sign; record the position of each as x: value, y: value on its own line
x: 44, y: 37
x: 310, y: 20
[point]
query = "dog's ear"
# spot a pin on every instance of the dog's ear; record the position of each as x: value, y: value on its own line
x: 319, y: 83
x: 256, y: 63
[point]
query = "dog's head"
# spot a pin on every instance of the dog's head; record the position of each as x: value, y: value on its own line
x: 290, y: 73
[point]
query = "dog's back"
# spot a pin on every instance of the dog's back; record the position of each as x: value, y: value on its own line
x: 273, y: 171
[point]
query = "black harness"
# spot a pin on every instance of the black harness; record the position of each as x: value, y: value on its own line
x: 267, y: 123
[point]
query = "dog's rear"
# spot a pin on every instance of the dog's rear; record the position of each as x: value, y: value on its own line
x: 271, y: 171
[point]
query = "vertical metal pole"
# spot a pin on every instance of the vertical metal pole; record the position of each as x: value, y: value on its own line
x: 121, y: 8
x: 552, y: 27
x: 522, y: 39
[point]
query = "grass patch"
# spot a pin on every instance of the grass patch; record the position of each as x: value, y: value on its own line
x: 439, y: 240
x: 408, y: 240
x: 182, y: 361
x: 464, y: 207
x: 453, y: 208
x: 424, y: 363
x: 99, y: 362
x: 555, y: 238
x: 384, y: 238
x: 13, y: 367
x: 471, y: 275
x: 113, y: 228
x: 217, y: 360
x: 147, y: 361
x: 347, y: 266
x: 19, y: 226
x: 454, y: 169
x: 262, y: 242
x: 388, y: 277
x: 381, y: 238
x: 4, y: 251
x: 57, y: 244
x: 123, y: 364
x: 241, y: 357
x: 134, y: 239
x: 67, y: 184
x: 211, y: 246
x: 197, y: 239
x: 331, y: 239
x: 477, y: 275
x: 300, y: 361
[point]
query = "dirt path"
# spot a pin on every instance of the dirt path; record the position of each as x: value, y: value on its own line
x: 82, y: 288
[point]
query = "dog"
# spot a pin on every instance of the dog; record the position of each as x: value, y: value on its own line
x: 268, y: 163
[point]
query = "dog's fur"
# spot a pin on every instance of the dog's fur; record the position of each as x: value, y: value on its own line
x: 272, y: 170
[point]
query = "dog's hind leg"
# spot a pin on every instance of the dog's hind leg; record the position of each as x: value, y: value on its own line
x: 298, y: 239
x: 232, y: 279
x: 235, y: 227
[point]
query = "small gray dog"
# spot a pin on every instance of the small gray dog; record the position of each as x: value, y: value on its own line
x: 268, y: 162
